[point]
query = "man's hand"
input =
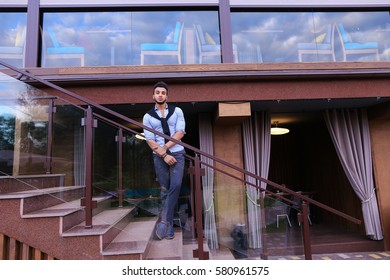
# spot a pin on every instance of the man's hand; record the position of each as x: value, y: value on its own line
x: 170, y: 160
x: 160, y: 151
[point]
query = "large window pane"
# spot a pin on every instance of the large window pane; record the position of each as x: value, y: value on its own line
x: 159, y: 28
x: 86, y: 38
x: 122, y: 38
x: 13, y: 38
x: 310, y: 37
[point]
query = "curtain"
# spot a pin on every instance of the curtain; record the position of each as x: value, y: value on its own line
x: 206, y: 145
x: 257, y: 148
x: 350, y: 133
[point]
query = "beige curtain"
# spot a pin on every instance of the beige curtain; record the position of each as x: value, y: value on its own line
x: 349, y: 130
x: 206, y: 145
x: 257, y: 148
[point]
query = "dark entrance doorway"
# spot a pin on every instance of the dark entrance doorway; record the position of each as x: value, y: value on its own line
x: 306, y: 160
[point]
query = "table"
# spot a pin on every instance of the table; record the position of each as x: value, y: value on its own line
x: 262, y: 32
x: 112, y: 34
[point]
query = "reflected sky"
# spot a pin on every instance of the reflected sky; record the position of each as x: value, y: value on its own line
x: 19, y: 99
x: 114, y: 38
x: 10, y: 22
x: 278, y: 34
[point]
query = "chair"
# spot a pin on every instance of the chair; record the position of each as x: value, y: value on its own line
x: 297, y: 207
x: 321, y: 45
x: 62, y: 52
x: 353, y: 48
x: 282, y: 211
x: 250, y: 56
x: 172, y: 49
x: 18, y: 50
x: 207, y: 46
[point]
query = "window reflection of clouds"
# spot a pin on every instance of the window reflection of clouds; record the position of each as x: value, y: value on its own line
x: 300, y: 27
x: 157, y: 27
x: 8, y: 28
x: 17, y: 98
x: 275, y: 33
x: 81, y: 28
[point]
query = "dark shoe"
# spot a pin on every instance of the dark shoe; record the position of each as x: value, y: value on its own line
x: 170, y: 232
x: 161, y: 230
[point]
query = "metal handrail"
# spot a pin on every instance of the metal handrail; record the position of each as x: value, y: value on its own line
x: 197, y: 170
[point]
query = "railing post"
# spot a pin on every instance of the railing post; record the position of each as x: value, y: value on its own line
x: 303, y: 217
x: 120, y: 139
x: 192, y: 199
x: 89, y: 124
x: 50, y: 113
x: 197, y: 172
x: 264, y: 254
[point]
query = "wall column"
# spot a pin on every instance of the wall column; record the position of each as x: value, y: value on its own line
x: 380, y: 135
x: 229, y: 193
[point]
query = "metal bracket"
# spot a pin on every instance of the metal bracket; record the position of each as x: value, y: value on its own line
x: 83, y: 203
x: 191, y: 170
x: 195, y: 254
x: 94, y: 122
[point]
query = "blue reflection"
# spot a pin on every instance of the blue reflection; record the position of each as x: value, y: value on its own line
x: 13, y: 38
x: 115, y: 38
x: 276, y: 37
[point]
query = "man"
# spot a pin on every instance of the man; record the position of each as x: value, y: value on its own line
x: 168, y: 157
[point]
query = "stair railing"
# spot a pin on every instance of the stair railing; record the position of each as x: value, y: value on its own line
x: 304, y: 206
x: 196, y: 171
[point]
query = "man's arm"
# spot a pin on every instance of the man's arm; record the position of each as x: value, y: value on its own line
x: 179, y: 128
x: 160, y: 151
x: 178, y: 136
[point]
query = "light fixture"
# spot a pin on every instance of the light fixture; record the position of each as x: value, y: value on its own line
x: 140, y: 136
x: 276, y: 130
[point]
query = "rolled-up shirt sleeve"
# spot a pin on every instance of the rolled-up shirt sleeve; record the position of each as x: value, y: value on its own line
x: 180, y: 124
x: 147, y: 122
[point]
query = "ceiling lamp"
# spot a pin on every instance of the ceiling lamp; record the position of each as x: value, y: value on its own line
x: 276, y: 130
x: 140, y: 136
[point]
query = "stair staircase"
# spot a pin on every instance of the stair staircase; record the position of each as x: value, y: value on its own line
x: 53, y: 220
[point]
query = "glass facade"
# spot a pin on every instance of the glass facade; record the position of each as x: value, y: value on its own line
x: 13, y: 37
x: 145, y: 36
x: 122, y: 38
x: 311, y: 36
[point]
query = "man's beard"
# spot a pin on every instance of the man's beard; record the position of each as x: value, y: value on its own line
x: 160, y: 102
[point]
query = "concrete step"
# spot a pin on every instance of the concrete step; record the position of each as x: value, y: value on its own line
x: 47, y: 198
x: 37, y: 192
x: 167, y: 249
x: 133, y: 240
x: 111, y: 219
x: 9, y: 184
x: 38, y: 199
x: 61, y: 210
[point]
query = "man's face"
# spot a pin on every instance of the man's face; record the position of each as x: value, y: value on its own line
x: 160, y: 95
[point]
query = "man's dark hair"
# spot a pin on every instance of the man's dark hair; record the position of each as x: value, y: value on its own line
x: 160, y: 84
